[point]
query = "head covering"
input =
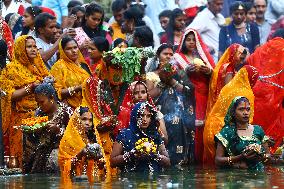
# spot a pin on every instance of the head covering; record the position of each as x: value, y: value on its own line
x: 72, y: 143
x: 269, y: 111
x: 69, y: 74
x: 239, y: 86
x: 6, y: 34
x: 202, y: 49
x: 226, y: 64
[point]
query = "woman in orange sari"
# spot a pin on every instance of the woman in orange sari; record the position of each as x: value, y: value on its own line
x: 193, y: 57
x: 240, y: 85
x: 79, y: 146
x: 19, y: 80
x: 269, y: 93
x: 225, y: 70
x: 69, y: 72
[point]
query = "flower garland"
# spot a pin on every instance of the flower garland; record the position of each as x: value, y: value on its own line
x: 34, y: 123
x: 144, y: 146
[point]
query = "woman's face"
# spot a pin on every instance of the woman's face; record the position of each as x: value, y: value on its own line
x: 166, y: 55
x: 79, y: 17
x: 180, y: 22
x: 44, y: 102
x: 94, y: 20
x: 127, y: 26
x: 238, y: 16
x: 242, y: 112
x: 71, y: 50
x: 251, y: 15
x: 190, y: 42
x: 95, y: 54
x: 31, y: 48
x: 140, y: 93
x: 28, y: 19
x: 146, y: 119
x: 87, y: 121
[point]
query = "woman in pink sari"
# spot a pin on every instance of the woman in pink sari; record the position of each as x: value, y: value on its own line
x: 193, y: 57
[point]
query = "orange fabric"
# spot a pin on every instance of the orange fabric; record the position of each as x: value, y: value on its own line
x: 226, y: 64
x: 238, y: 86
x: 69, y: 74
x: 18, y: 74
x: 269, y: 99
x: 72, y: 143
x: 117, y: 31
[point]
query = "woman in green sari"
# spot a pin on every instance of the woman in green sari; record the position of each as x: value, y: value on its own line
x: 240, y: 144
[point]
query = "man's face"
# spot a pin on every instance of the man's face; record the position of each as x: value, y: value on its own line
x: 216, y: 6
x: 260, y: 6
x: 49, y: 31
x: 118, y: 16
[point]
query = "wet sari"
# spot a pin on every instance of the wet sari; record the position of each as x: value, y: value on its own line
x: 240, y: 85
x: 69, y: 74
x: 18, y: 74
x: 200, y: 82
x: 226, y: 65
x: 235, y: 144
x: 128, y: 137
x: 269, y: 95
x: 72, y: 143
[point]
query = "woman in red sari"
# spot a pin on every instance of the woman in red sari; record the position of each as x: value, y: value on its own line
x: 269, y: 90
x: 193, y: 57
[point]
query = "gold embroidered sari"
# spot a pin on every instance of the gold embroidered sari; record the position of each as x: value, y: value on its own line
x: 18, y: 74
x: 69, y: 74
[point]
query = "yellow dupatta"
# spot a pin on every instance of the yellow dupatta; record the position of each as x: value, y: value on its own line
x: 18, y: 74
x: 218, y: 73
x: 72, y: 143
x: 238, y: 86
x: 69, y: 74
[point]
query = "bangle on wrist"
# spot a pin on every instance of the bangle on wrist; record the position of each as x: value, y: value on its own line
x: 28, y: 89
x: 71, y: 91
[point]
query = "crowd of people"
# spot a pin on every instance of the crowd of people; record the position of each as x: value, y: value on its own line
x: 212, y: 93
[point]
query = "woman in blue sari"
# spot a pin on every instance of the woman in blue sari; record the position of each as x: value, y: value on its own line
x: 240, y: 144
x: 245, y: 34
x: 143, y: 126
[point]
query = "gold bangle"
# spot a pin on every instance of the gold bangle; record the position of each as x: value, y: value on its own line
x: 28, y: 89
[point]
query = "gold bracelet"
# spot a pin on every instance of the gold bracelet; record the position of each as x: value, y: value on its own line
x: 71, y: 91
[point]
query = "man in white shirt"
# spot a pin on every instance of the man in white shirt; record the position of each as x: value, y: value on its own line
x: 208, y: 23
x: 10, y: 6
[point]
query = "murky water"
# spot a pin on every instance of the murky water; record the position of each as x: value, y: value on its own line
x: 189, y: 178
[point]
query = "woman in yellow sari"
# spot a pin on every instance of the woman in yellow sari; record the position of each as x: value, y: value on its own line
x: 227, y: 67
x: 19, y: 80
x: 240, y: 85
x: 79, y: 146
x: 69, y: 72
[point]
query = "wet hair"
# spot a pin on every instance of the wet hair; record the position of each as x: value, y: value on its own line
x: 278, y: 33
x: 144, y: 35
x: 163, y: 47
x: 45, y: 89
x: 83, y: 110
x: 65, y: 40
x: 41, y: 20
x: 77, y: 9
x: 91, y: 133
x: 136, y: 14
x: 171, y: 26
x: 118, y: 5
x: 74, y: 3
x: 33, y: 11
x: 235, y: 6
x: 233, y: 109
x: 101, y: 43
x: 3, y: 53
x: 183, y: 46
x: 91, y: 9
x: 165, y: 13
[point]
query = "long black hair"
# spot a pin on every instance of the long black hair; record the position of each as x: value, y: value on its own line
x: 171, y: 26
x: 33, y: 11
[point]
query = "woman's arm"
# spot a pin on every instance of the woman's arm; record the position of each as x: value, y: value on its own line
x: 69, y: 92
x: 116, y: 157
x: 21, y: 93
x: 164, y: 156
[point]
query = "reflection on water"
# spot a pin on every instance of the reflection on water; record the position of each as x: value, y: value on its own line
x: 190, y: 178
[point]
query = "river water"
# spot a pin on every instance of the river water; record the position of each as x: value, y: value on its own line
x: 188, y: 178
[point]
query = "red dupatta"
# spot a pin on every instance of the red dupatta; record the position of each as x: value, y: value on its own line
x: 269, y: 99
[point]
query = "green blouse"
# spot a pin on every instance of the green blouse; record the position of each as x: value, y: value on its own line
x: 235, y: 144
